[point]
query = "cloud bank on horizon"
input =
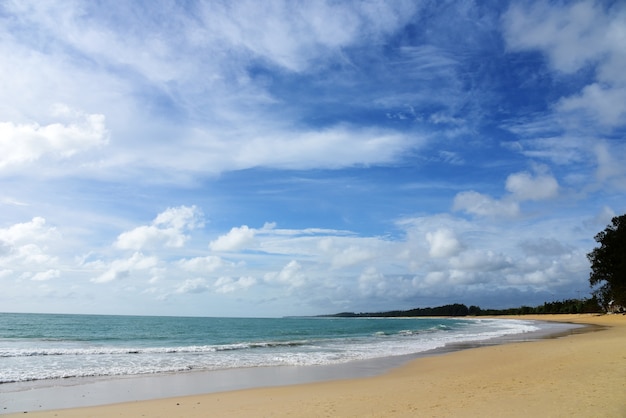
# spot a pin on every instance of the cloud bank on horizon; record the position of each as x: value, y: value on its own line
x: 281, y: 158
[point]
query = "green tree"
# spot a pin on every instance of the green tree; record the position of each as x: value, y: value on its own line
x: 608, y: 263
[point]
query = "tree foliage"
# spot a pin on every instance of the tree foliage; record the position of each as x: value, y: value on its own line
x: 608, y: 263
x: 568, y: 306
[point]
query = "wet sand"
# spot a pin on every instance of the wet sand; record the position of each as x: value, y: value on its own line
x: 583, y: 374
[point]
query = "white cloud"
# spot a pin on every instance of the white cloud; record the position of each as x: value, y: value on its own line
x: 335, y: 147
x: 206, y: 264
x: 575, y: 35
x: 46, y: 275
x: 376, y: 286
x: 167, y: 229
x: 448, y: 257
x: 525, y: 186
x: 522, y: 186
x: 351, y: 256
x: 238, y: 146
x: 229, y: 285
x: 193, y: 286
x: 28, y: 254
x: 606, y: 104
x: 290, y: 275
x: 348, y: 252
x: 35, y: 230
x: 22, y: 144
x: 494, y: 260
x: 479, y: 260
x: 30, y: 245
x: 571, y: 35
x: 6, y: 200
x: 297, y: 36
x: 611, y: 167
x: 372, y: 282
x: 443, y: 243
x: 483, y: 205
x: 559, y: 150
x: 124, y: 268
x: 180, y: 218
x: 150, y: 236
x: 236, y: 239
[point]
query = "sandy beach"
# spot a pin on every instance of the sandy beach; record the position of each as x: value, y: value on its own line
x: 582, y: 375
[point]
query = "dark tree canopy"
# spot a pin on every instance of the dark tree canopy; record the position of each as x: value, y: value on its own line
x: 608, y: 263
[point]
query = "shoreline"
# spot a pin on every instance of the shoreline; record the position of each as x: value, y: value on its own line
x: 408, y: 377
x: 52, y: 394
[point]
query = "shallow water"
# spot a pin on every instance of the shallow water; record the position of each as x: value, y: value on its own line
x: 39, y: 347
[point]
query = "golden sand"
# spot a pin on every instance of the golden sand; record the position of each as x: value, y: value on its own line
x: 581, y: 375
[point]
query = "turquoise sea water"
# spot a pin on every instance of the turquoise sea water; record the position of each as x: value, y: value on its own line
x: 46, y: 346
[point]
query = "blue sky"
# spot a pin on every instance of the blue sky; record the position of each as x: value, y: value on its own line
x: 292, y: 158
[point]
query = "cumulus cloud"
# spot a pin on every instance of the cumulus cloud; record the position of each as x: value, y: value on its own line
x: 168, y: 230
x: 352, y: 255
x: 29, y: 245
x: 492, y: 261
x: 125, y: 268
x: 483, y: 205
x: 607, y: 105
x: 35, y: 230
x: 342, y: 250
x: 206, y: 264
x: 197, y: 285
x: 443, y: 243
x: 229, y: 285
x: 181, y: 217
x: 525, y: 186
x: 237, y: 239
x: 291, y: 275
x: 21, y: 144
x: 522, y: 186
x: 572, y: 34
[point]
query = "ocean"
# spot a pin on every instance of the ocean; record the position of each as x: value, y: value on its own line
x: 38, y: 347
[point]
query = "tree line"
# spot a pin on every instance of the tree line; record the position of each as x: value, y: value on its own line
x: 568, y: 306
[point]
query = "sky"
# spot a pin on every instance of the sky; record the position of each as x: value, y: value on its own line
x: 260, y: 159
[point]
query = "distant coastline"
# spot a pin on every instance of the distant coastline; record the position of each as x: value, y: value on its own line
x: 567, y: 306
